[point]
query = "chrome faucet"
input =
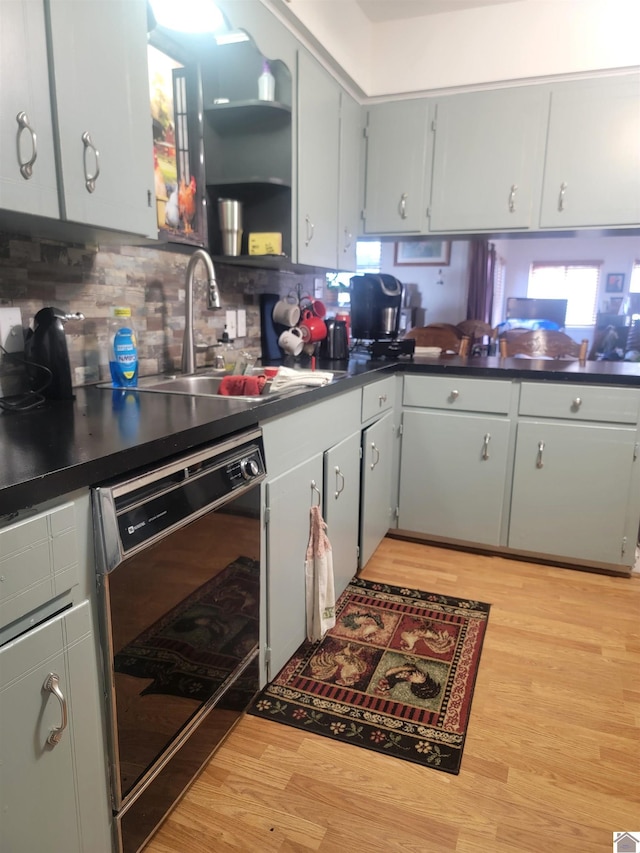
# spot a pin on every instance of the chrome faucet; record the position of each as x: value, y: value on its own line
x: 213, y: 301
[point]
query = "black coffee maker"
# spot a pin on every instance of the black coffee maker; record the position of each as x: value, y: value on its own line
x: 46, y: 347
x: 375, y: 307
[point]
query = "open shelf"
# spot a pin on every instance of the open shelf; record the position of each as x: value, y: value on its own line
x: 245, y: 116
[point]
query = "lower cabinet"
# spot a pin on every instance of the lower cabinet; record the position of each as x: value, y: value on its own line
x: 573, y: 487
x: 342, y: 507
x: 53, y: 792
x: 452, y: 475
x: 376, y: 509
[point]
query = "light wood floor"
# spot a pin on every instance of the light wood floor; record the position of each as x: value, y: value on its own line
x: 551, y: 761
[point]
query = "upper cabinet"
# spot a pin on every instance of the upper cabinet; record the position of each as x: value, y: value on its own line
x: 28, y: 179
x: 99, y: 70
x: 318, y: 124
x: 397, y: 168
x: 351, y: 153
x: 592, y: 165
x: 487, y: 159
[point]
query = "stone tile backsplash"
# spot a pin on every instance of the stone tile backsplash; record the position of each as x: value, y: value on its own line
x: 37, y: 273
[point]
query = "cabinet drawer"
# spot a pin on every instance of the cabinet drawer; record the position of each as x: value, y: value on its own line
x: 39, y: 561
x: 377, y: 398
x: 580, y: 402
x: 457, y: 393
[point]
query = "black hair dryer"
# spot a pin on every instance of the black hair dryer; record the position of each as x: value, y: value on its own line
x: 46, y: 346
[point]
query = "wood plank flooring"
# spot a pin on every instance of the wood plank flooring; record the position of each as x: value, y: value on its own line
x: 551, y: 761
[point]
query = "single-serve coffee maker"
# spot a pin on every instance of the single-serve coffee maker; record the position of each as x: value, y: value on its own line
x: 375, y: 313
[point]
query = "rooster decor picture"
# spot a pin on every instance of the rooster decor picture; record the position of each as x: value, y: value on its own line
x: 187, y: 204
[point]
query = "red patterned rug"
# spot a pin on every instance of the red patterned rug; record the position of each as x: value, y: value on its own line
x: 396, y: 675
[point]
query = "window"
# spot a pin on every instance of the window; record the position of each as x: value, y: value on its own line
x: 367, y: 260
x: 634, y: 283
x: 575, y: 282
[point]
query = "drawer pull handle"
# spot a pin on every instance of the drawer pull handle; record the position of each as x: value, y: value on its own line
x: 382, y: 399
x: 375, y: 450
x: 454, y: 395
x: 339, y: 483
x: 315, y: 489
x: 485, y: 446
x: 576, y: 404
x: 402, y: 207
x: 52, y: 684
x: 90, y: 180
x: 310, y: 229
x: 26, y: 168
x: 563, y: 189
x: 539, y: 462
x: 512, y: 198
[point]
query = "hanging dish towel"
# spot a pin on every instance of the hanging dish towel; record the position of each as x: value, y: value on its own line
x: 318, y: 568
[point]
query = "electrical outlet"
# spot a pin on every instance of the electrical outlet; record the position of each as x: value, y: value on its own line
x: 11, y: 334
x: 232, y: 324
x: 242, y: 323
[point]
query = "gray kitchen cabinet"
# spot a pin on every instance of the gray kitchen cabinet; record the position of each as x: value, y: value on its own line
x: 52, y: 792
x: 351, y: 150
x: 341, y: 494
x: 376, y: 508
x: 455, y: 458
x: 576, y: 492
x: 288, y: 498
x: 28, y: 177
x: 98, y: 66
x: 397, y: 167
x: 592, y: 164
x: 487, y: 160
x: 452, y: 475
x: 318, y: 124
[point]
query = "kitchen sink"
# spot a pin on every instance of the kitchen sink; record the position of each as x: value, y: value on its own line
x: 208, y: 385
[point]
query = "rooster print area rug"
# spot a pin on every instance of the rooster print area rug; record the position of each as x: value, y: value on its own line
x: 396, y: 675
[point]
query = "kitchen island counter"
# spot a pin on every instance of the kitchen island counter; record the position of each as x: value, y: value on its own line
x: 66, y: 445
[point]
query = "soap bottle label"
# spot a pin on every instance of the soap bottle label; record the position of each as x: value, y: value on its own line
x: 124, y: 367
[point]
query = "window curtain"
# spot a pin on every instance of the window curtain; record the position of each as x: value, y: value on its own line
x: 482, y: 268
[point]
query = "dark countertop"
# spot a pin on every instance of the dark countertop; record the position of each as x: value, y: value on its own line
x: 66, y: 445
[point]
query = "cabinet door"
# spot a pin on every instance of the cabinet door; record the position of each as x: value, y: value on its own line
x: 102, y: 104
x: 487, y: 159
x: 52, y: 797
x: 396, y: 167
x: 572, y: 492
x: 289, y: 498
x: 25, y: 90
x: 452, y: 475
x: 318, y: 142
x: 592, y: 165
x: 350, y: 170
x: 342, y: 507
x: 376, y: 508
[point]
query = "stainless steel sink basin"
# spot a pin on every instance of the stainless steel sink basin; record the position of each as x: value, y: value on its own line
x: 208, y: 385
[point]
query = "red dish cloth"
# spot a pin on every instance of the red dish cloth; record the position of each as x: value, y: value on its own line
x: 241, y: 386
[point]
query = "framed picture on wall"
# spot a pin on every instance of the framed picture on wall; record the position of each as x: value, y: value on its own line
x: 615, y: 282
x: 425, y: 253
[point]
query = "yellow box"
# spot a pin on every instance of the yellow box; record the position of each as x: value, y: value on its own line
x: 264, y: 243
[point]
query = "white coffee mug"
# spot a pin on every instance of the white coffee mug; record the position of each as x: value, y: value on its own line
x: 286, y: 312
x: 291, y: 341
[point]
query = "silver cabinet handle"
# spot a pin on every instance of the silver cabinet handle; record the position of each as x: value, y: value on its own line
x: 403, y: 206
x: 539, y: 462
x: 512, y: 198
x: 26, y: 168
x: 339, y: 483
x: 576, y: 404
x: 382, y: 399
x: 52, y: 684
x: 348, y: 240
x: 310, y: 229
x: 375, y: 450
x: 454, y: 395
x: 90, y: 180
x: 563, y: 189
x: 315, y: 489
x: 485, y: 446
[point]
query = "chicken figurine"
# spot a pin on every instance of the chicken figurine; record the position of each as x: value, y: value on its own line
x: 187, y: 204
